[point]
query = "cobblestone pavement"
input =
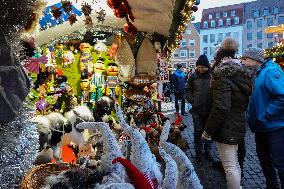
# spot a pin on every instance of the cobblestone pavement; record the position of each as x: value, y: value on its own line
x: 212, y: 177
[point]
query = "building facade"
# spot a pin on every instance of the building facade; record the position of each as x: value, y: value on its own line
x: 189, y: 50
x: 219, y: 23
x: 257, y: 16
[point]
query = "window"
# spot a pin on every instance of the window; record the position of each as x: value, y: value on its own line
x: 249, y: 36
x: 259, y: 23
x: 249, y: 24
x: 259, y: 45
x: 270, y: 36
x: 220, y: 37
x: 255, y: 13
x: 210, y: 16
x: 265, y: 11
x: 281, y: 20
x: 225, y: 14
x: 183, y: 43
x: 236, y: 20
x: 183, y: 64
x: 275, y: 10
x: 212, y: 50
x: 249, y: 45
x: 228, y: 21
x: 188, y: 31
x: 228, y: 34
x: 212, y: 38
x: 270, y: 44
x: 205, y: 38
x: 259, y: 35
x: 192, y: 42
x: 183, y: 53
x: 217, y: 15
x: 236, y: 36
x: 192, y: 53
x: 220, y: 23
x: 176, y: 54
x: 213, y: 24
x: 233, y: 13
x: 269, y: 21
x: 205, y: 24
x: 205, y: 50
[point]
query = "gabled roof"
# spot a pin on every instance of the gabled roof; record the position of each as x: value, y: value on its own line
x: 197, y: 26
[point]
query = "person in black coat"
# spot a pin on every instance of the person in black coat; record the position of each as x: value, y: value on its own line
x: 198, y: 94
x: 226, y: 124
x: 179, y: 80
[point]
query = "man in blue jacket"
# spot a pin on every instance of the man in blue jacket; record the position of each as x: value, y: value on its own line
x: 179, y: 80
x: 266, y: 115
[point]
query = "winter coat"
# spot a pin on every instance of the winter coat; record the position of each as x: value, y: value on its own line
x: 231, y: 88
x: 266, y: 107
x: 198, y: 93
x: 179, y: 81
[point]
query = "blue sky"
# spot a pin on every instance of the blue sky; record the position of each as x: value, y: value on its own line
x: 204, y: 4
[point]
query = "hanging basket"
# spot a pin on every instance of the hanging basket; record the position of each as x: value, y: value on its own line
x: 143, y: 80
x: 137, y: 95
x: 35, y: 178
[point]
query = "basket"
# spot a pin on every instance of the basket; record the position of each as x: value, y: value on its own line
x: 36, y: 176
x: 137, y: 95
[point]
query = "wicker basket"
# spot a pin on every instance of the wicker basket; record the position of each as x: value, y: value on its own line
x: 143, y: 80
x: 137, y: 95
x: 35, y: 177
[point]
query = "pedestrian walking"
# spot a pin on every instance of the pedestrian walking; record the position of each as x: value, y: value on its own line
x: 198, y: 93
x: 231, y: 87
x: 266, y: 115
x: 179, y: 80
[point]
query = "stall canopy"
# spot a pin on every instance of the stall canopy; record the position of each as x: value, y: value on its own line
x: 159, y: 16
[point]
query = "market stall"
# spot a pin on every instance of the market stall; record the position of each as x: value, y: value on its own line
x: 96, y: 69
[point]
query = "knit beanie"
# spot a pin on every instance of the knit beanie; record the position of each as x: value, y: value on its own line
x: 254, y: 54
x: 139, y: 181
x: 203, y: 61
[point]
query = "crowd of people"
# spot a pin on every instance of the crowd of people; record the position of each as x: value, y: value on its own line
x: 227, y: 97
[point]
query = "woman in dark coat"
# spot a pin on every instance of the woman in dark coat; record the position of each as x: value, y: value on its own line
x: 226, y: 124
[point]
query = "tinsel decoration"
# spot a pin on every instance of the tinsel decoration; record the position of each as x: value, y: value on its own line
x: 18, y: 148
x: 72, y: 18
x: 56, y: 12
x: 86, y: 9
x: 67, y: 6
x: 274, y: 52
x: 88, y: 21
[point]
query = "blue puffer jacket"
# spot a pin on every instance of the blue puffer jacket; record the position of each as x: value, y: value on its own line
x: 266, y: 106
x: 179, y: 80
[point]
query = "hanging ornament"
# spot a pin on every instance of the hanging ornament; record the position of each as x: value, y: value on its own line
x: 114, y: 4
x: 194, y: 8
x: 56, y: 12
x: 130, y: 28
x: 88, y: 21
x: 197, y: 2
x: 67, y: 6
x: 86, y: 9
x: 101, y: 16
x: 72, y: 19
x: 121, y: 12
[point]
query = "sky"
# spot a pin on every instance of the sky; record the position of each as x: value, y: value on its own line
x: 204, y: 4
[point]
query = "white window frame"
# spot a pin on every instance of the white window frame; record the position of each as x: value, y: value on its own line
x: 218, y: 15
x: 225, y: 14
x: 192, y: 51
x: 212, y: 23
x: 228, y: 21
x: 183, y: 52
x: 192, y: 42
x: 205, y: 24
x: 236, y: 20
x: 210, y: 16
x: 233, y: 13
x: 220, y: 21
x: 182, y: 43
x: 176, y: 54
x: 188, y: 31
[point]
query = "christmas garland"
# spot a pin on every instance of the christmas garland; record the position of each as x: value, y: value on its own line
x: 274, y: 52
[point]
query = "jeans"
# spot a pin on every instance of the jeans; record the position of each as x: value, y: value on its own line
x: 199, y: 122
x: 228, y: 156
x: 241, y: 154
x: 269, y: 149
x: 180, y: 96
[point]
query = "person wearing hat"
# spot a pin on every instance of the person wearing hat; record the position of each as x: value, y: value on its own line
x: 179, y: 80
x: 265, y: 115
x: 231, y: 86
x: 198, y: 93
